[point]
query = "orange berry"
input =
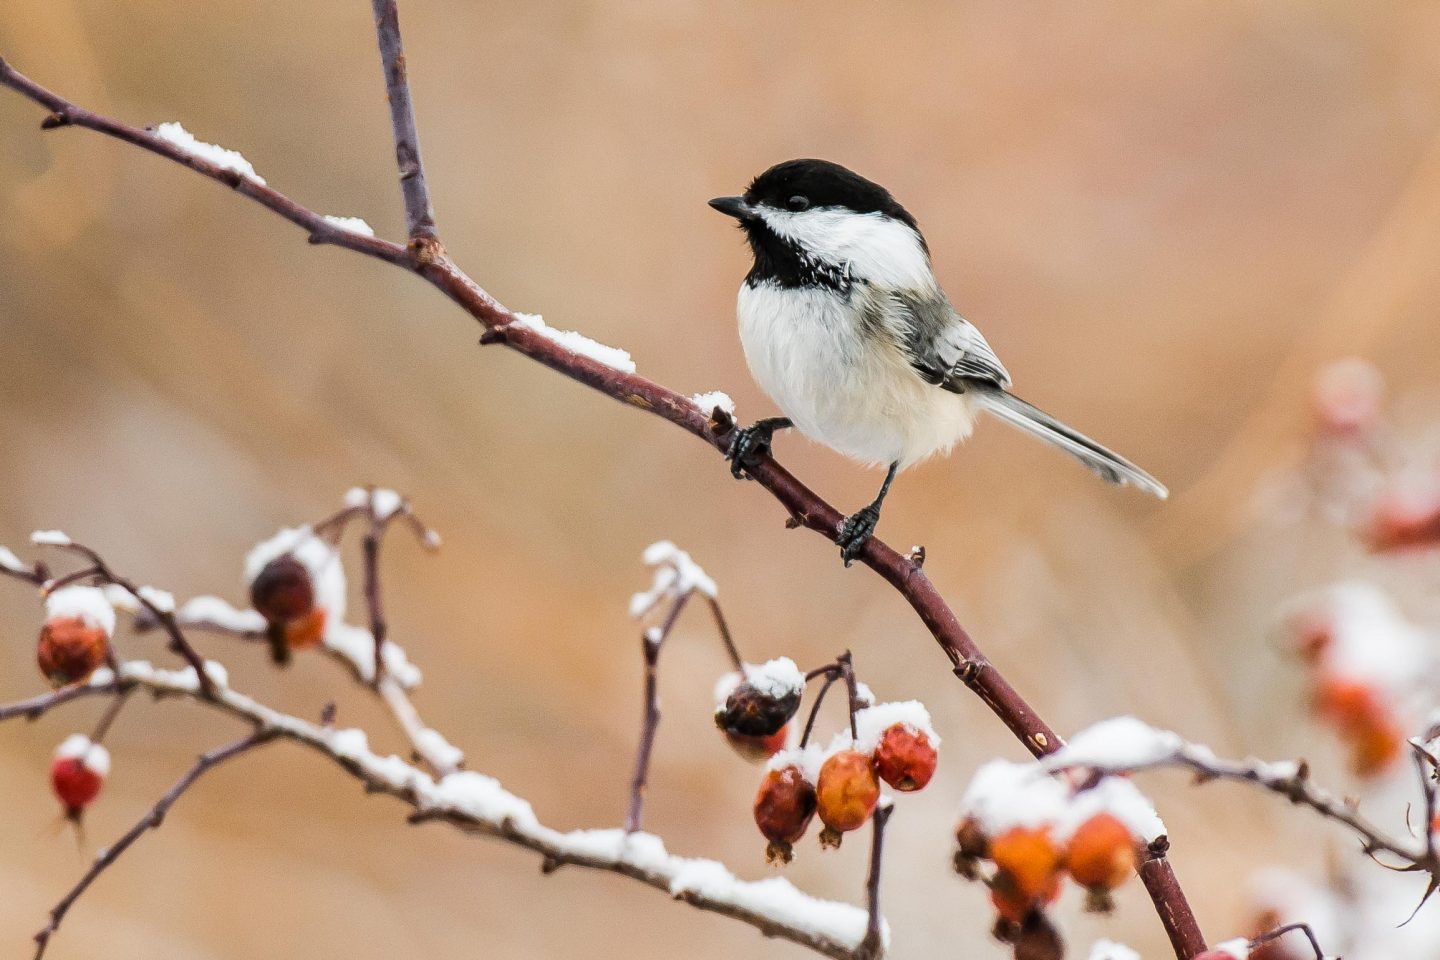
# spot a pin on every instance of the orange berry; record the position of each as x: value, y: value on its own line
x: 1375, y: 748
x: 1028, y: 865
x: 1349, y: 704
x: 69, y: 650
x: 1100, y: 857
x: 305, y: 631
x: 904, y: 758
x: 846, y: 793
x: 784, y: 807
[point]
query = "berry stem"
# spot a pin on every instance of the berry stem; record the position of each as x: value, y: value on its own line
x: 873, y: 944
x: 650, y: 643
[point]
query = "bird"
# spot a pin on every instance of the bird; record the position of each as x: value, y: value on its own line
x: 846, y: 328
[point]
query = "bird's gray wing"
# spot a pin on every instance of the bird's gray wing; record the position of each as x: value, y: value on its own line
x: 944, y: 347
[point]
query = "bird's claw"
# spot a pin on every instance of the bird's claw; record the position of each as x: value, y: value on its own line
x: 855, y: 532
x: 747, y: 445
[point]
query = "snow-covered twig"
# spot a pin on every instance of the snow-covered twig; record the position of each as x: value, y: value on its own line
x: 1127, y: 745
x: 150, y: 821
x: 478, y: 804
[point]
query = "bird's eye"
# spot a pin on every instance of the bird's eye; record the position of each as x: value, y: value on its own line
x: 797, y: 203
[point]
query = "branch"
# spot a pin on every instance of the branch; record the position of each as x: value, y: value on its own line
x: 419, y: 217
x: 1289, y: 780
x: 804, y: 507
x: 152, y: 820
x: 478, y: 804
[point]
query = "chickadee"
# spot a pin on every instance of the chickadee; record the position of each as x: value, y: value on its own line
x: 847, y: 330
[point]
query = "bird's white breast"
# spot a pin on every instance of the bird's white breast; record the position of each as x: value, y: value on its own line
x: 854, y: 392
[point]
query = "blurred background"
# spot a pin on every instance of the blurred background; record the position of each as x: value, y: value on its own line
x: 1164, y: 218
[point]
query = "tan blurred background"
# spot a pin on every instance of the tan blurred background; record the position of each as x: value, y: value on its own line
x: 1163, y: 216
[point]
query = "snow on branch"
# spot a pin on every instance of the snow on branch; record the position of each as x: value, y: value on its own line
x: 1126, y: 745
x: 478, y: 803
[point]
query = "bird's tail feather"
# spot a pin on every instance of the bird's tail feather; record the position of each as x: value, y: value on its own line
x: 1036, y: 422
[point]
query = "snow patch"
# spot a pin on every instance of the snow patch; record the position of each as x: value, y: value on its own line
x: 350, y: 225
x: 872, y: 722
x: 221, y: 157
x: 87, y: 604
x: 778, y: 678
x: 575, y: 342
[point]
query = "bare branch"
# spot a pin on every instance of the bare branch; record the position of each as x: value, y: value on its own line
x: 650, y: 642
x: 152, y: 819
x: 419, y: 217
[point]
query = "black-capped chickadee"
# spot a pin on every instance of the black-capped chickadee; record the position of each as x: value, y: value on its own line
x: 847, y: 330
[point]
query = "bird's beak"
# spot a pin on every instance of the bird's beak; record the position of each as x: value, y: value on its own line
x: 733, y: 207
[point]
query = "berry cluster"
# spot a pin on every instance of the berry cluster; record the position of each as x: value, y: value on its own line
x: 1365, y: 662
x: 1023, y: 831
x: 890, y: 743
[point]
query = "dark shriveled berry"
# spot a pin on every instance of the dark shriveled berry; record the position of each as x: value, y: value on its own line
x: 751, y: 713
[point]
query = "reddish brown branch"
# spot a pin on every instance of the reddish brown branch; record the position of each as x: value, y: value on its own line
x: 152, y: 819
x: 802, y: 505
x: 652, y: 640
x: 874, y: 943
x: 419, y: 217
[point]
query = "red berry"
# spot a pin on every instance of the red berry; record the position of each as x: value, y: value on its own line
x: 1405, y: 518
x: 904, y: 758
x: 78, y: 772
x: 846, y: 794
x: 784, y: 807
x: 70, y: 649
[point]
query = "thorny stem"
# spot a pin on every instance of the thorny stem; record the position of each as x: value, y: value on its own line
x: 152, y: 819
x: 651, y: 641
x: 874, y: 943
x: 802, y: 506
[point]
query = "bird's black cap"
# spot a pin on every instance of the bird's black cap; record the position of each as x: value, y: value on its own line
x: 824, y: 184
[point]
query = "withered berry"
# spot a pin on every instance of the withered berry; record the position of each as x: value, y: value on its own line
x: 784, y: 807
x: 69, y: 650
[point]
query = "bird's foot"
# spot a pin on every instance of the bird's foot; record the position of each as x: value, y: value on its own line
x: 748, y: 444
x: 855, y: 532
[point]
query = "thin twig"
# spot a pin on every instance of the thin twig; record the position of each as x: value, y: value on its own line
x: 730, y: 649
x: 107, y: 719
x: 419, y: 216
x: 874, y: 943
x: 651, y: 642
x: 798, y: 501
x: 373, y: 602
x: 1279, y: 932
x: 152, y: 819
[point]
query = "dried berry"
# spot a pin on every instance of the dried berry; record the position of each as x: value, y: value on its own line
x: 751, y: 712
x: 784, y: 807
x: 971, y: 846
x: 70, y: 649
x: 1027, y: 871
x: 904, y: 758
x: 1037, y: 939
x: 78, y: 772
x: 284, y: 594
x: 846, y: 794
x: 1101, y: 856
x: 757, y: 749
